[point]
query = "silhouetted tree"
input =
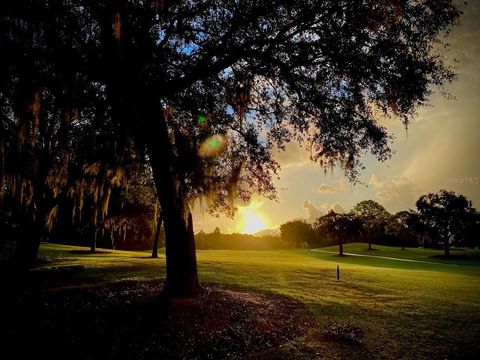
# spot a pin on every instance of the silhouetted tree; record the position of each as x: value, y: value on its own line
x: 341, y: 227
x: 402, y: 227
x: 297, y: 233
x: 373, y: 217
x: 210, y: 88
x: 449, y: 215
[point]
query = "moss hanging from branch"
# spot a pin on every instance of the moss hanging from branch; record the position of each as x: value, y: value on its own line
x: 35, y: 110
x: 117, y: 26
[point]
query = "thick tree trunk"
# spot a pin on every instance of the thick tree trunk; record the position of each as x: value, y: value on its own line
x: 28, y: 243
x: 32, y: 232
x: 182, y: 278
x: 157, y: 237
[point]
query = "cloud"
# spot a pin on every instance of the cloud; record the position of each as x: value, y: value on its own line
x: 324, y: 189
x: 294, y: 155
x: 395, y: 193
x: 339, y: 209
x: 312, y: 212
x: 339, y: 186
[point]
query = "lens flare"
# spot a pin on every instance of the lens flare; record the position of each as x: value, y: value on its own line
x: 202, y: 120
x: 213, y: 145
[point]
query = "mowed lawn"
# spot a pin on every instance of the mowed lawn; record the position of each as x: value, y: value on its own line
x: 407, y: 310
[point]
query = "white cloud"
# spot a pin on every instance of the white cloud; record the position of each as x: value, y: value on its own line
x: 312, y: 212
x: 294, y: 155
x: 338, y: 208
x: 395, y: 193
x: 339, y: 186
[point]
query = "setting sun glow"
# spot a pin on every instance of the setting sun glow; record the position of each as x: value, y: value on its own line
x: 251, y: 219
x: 252, y: 222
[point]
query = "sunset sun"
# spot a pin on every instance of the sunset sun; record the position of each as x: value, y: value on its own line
x: 252, y: 222
x: 251, y: 218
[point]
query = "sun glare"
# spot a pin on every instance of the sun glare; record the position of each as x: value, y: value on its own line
x: 252, y: 220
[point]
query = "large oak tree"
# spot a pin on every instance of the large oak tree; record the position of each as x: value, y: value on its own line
x: 210, y: 87
x: 449, y: 216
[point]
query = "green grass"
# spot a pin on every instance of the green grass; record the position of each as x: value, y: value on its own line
x: 407, y: 310
x: 459, y: 256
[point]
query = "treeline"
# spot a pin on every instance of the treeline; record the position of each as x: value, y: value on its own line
x: 218, y: 241
x: 441, y: 220
x: 93, y: 214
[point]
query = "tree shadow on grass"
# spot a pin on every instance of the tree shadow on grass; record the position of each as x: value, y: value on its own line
x: 88, y: 252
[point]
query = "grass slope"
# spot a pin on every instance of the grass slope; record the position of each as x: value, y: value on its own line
x: 406, y: 310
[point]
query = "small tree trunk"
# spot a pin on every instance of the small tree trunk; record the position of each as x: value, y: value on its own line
x: 369, y: 243
x: 447, y: 250
x: 157, y: 237
x: 93, y: 245
x: 340, y: 246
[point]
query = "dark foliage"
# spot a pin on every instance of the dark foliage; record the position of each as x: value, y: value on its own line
x: 210, y: 88
x: 235, y: 241
x: 341, y: 228
x: 450, y: 218
x: 298, y: 234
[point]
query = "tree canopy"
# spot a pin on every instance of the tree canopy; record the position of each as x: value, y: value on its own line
x: 209, y: 88
x: 449, y: 216
x: 341, y: 227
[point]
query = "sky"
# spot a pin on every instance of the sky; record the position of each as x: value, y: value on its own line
x: 440, y: 150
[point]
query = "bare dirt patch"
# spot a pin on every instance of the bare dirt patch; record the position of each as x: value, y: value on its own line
x: 129, y: 320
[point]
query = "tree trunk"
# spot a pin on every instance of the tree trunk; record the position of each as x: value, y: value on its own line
x: 28, y: 243
x: 32, y: 232
x: 157, y: 237
x: 447, y: 250
x: 93, y: 245
x: 182, y: 278
x: 340, y: 246
x: 369, y: 243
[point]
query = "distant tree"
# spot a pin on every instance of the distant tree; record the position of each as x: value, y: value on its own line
x: 341, y: 227
x: 211, y: 88
x: 374, y: 218
x: 237, y: 241
x: 420, y: 229
x: 402, y: 227
x: 449, y: 215
x: 297, y: 233
x: 200, y: 239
